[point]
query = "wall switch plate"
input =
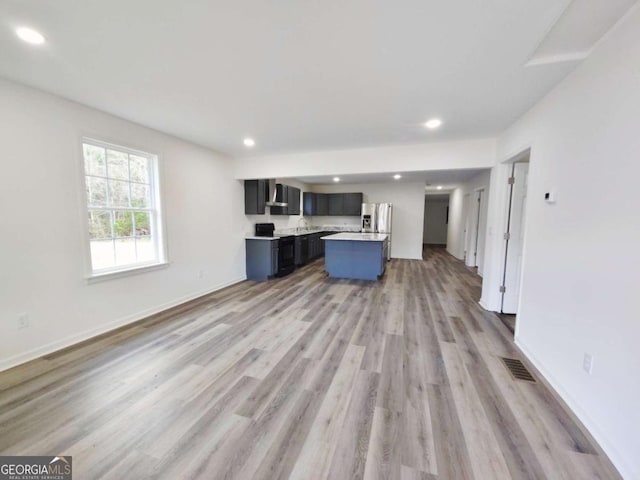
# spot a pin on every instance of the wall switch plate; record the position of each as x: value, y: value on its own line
x: 23, y: 320
x: 587, y: 363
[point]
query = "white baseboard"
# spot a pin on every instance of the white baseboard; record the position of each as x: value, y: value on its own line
x: 626, y: 470
x: 483, y: 304
x: 104, y: 328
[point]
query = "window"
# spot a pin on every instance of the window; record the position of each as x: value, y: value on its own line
x: 122, y: 208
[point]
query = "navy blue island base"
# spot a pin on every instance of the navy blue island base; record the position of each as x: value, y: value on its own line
x: 362, y: 259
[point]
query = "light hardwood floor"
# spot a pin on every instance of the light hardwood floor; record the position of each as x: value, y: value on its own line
x: 302, y: 377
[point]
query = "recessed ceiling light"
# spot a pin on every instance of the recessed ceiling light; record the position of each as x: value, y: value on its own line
x: 336, y: 179
x: 397, y: 176
x: 433, y: 123
x: 30, y: 36
x: 439, y: 187
x: 249, y: 142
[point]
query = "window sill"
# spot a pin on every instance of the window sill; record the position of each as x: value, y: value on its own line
x: 101, y: 277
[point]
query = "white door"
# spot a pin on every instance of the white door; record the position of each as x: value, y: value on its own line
x: 515, y: 240
x: 476, y: 230
x: 475, y: 243
x: 473, y: 230
x: 466, y: 208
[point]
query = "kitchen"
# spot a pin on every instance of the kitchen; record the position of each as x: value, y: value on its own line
x: 355, y: 236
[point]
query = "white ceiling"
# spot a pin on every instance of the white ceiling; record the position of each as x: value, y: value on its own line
x: 446, y: 178
x: 295, y: 75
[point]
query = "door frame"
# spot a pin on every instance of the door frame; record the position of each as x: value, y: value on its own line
x: 508, y: 229
x: 474, y: 214
x: 498, y: 206
x: 481, y: 240
x: 466, y: 204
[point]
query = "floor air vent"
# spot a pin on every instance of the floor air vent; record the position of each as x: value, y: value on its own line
x: 517, y: 369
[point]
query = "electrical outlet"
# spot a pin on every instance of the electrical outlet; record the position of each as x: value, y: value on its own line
x: 587, y: 363
x: 23, y: 321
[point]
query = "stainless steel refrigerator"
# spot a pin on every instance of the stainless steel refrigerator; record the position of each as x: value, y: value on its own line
x: 377, y: 218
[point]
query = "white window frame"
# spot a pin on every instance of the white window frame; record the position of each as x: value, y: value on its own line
x: 155, y: 213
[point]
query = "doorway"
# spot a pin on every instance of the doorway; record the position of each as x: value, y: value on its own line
x: 436, y: 220
x: 476, y: 227
x: 514, y: 237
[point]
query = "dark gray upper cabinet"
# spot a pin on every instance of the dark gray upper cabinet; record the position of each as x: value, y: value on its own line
x: 315, y: 203
x: 336, y: 203
x: 294, y: 201
x: 322, y: 204
x: 352, y: 204
x: 255, y: 197
x: 346, y: 204
x: 309, y: 203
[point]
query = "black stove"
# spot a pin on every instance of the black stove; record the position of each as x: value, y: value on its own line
x: 286, y: 248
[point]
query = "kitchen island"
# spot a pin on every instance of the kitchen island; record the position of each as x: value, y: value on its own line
x: 361, y: 256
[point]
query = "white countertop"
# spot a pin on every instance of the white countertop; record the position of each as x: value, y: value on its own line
x: 358, y: 237
x: 299, y: 233
x: 284, y: 234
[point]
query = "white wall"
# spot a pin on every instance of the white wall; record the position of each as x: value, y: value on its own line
x: 405, y: 158
x: 580, y: 269
x: 435, y: 220
x: 42, y: 267
x: 407, y: 216
x: 482, y: 181
x: 459, y: 212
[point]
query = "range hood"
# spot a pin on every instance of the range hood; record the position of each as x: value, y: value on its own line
x: 274, y: 194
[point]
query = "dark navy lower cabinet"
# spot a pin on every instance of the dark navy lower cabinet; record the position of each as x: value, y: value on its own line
x: 361, y: 260
x: 262, y: 258
x: 302, y: 250
x: 308, y: 248
x: 262, y: 254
